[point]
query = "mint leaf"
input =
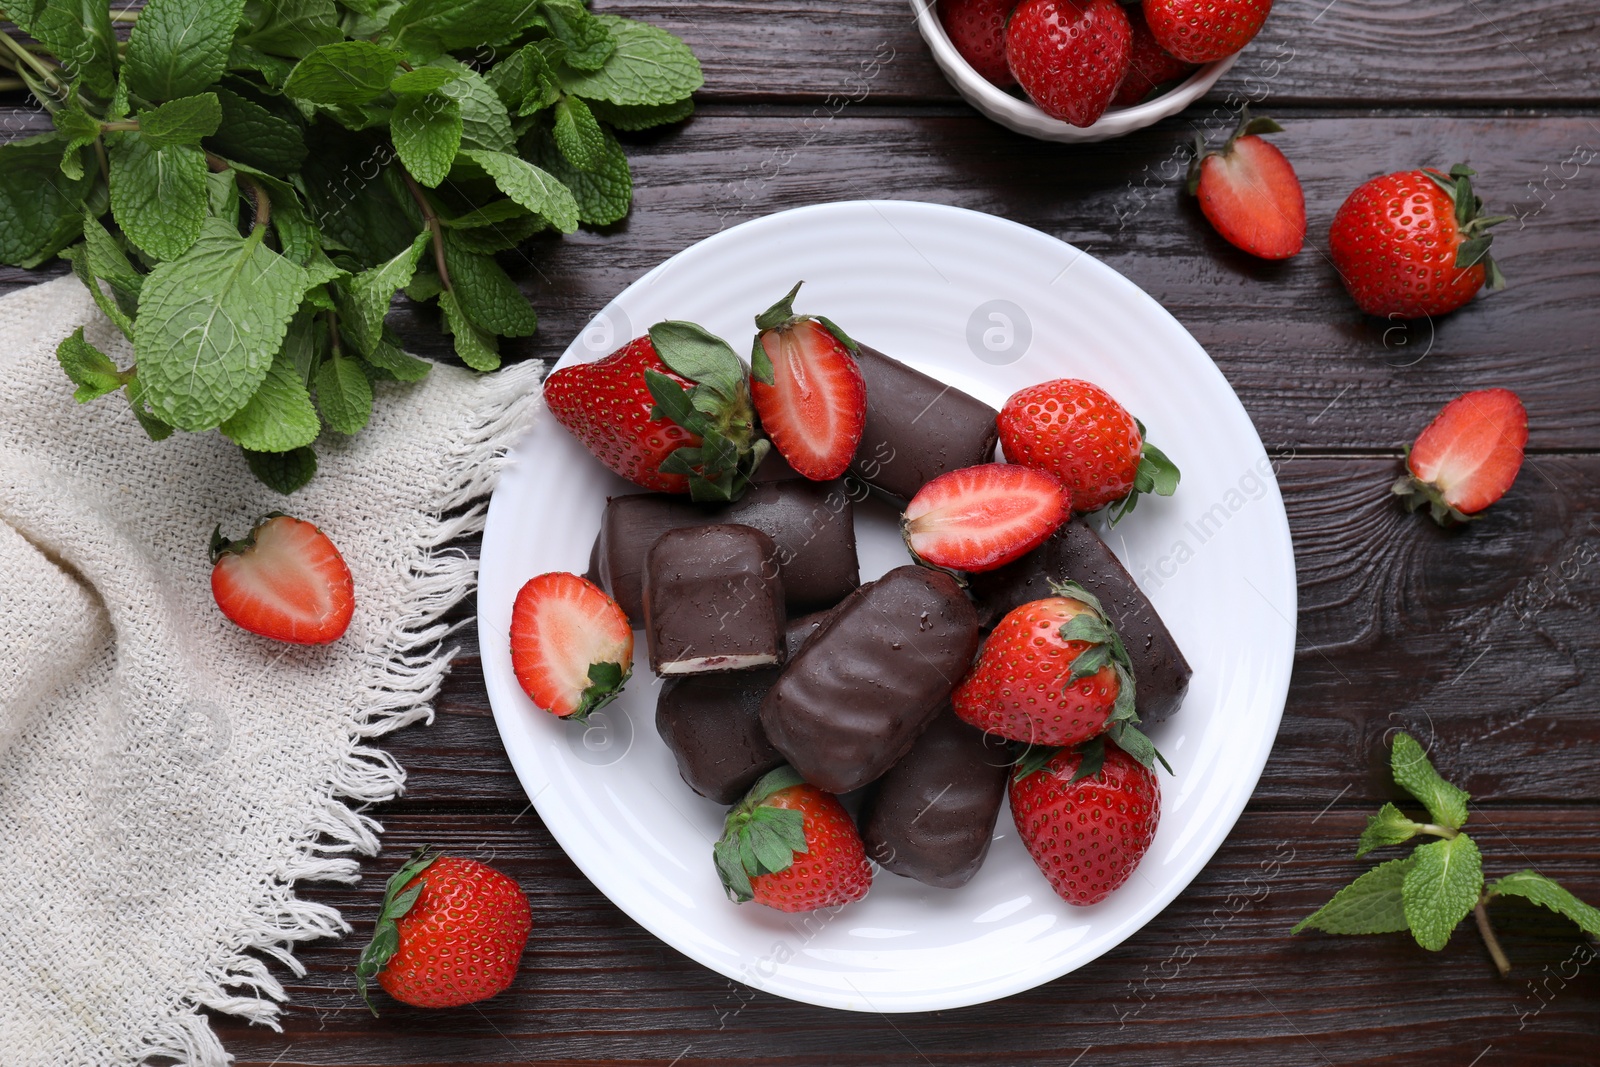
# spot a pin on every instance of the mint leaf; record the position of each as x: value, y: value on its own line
x: 90, y: 369
x: 427, y: 134
x: 1446, y: 804
x: 389, y: 362
x: 81, y: 128
x: 279, y: 416
x: 343, y: 394
x: 107, y: 260
x: 283, y: 471
x: 430, y: 27
x: 478, y: 349
x: 180, y: 47
x: 537, y: 190
x: 222, y: 195
x: 1389, y: 827
x: 499, y: 236
x: 80, y: 35
x: 39, y: 206
x: 641, y: 116
x: 524, y: 81
x: 183, y: 121
x: 346, y: 72
x: 604, y: 194
x: 586, y: 41
x: 153, y: 427
x: 1372, y: 904
x: 423, y: 79
x: 578, y: 135
x: 250, y: 133
x: 1545, y: 892
x: 494, y: 213
x: 292, y: 28
x: 210, y: 324
x: 485, y: 293
x: 648, y: 66
x: 158, y: 195
x: 1442, y: 888
x: 78, y: 256
x: 485, y: 123
x: 274, y: 70
x: 363, y: 299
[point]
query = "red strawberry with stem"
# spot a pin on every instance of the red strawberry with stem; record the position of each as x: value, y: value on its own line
x: 1069, y: 56
x: 1203, y: 31
x: 1467, y: 457
x: 571, y: 645
x: 808, y: 389
x: 670, y: 411
x: 1054, y: 672
x: 284, y: 580
x: 1249, y: 191
x: 1087, y: 816
x: 977, y: 29
x: 450, y: 931
x: 1413, y: 243
x: 980, y: 518
x: 1150, y: 67
x: 1078, y: 432
x: 792, y: 847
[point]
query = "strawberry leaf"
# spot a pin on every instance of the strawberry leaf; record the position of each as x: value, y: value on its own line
x: 1033, y: 759
x: 1442, y: 888
x: 1389, y: 827
x: 758, y: 838
x: 1133, y: 741
x: 1372, y: 904
x: 605, y: 684
x: 1091, y: 757
x: 778, y: 314
x: 1445, y: 803
x: 1086, y: 627
x: 398, y: 899
x: 700, y: 356
x: 1089, y: 661
x: 760, y: 363
x: 673, y: 402
x: 1545, y: 892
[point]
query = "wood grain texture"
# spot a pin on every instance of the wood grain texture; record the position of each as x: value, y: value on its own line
x: 1215, y: 979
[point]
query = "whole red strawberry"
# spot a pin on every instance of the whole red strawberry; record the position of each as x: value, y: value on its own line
x: 285, y: 580
x: 670, y: 411
x: 1249, y: 191
x: 977, y: 29
x: 1149, y: 65
x: 571, y: 645
x: 1069, y: 56
x: 1087, y: 818
x: 1413, y: 243
x: 1203, y: 31
x: 450, y: 931
x: 792, y: 847
x: 808, y: 389
x: 1078, y: 432
x: 1467, y: 457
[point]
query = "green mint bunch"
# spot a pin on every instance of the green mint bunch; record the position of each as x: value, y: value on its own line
x: 1430, y: 891
x: 244, y: 186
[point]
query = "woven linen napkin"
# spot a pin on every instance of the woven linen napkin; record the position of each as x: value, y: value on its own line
x: 166, y: 777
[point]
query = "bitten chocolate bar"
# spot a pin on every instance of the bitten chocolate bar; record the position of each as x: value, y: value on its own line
x: 812, y: 524
x: 931, y: 817
x: 713, y: 600
x: 917, y: 428
x: 1075, y: 551
x: 858, y: 695
x: 712, y: 722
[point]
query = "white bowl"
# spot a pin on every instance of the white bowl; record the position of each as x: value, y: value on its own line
x: 1022, y: 116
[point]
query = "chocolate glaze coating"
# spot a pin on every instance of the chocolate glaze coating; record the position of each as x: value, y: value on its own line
x: 712, y: 722
x: 713, y: 600
x: 931, y: 817
x: 917, y: 428
x: 812, y: 523
x: 1075, y: 551
x: 860, y: 692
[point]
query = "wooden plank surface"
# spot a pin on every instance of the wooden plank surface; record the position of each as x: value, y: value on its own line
x: 1479, y: 641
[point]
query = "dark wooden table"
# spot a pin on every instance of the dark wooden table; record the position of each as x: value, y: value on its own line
x: 1477, y: 641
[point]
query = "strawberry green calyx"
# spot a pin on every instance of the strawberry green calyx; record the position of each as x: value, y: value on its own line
x: 397, y: 901
x: 1156, y: 474
x: 1473, y: 227
x: 781, y: 316
x: 716, y: 407
x: 1249, y: 126
x: 1414, y: 492
x: 1106, y: 649
x: 223, y: 546
x: 605, y: 684
x: 758, y: 838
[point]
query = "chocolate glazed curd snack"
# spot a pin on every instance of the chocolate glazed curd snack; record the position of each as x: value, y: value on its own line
x: 858, y: 695
x: 713, y: 600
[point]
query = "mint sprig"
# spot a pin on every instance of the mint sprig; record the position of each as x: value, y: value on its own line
x: 1441, y: 882
x: 245, y: 187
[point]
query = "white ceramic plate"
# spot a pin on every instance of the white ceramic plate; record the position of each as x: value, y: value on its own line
x: 1016, y: 113
x: 989, y: 306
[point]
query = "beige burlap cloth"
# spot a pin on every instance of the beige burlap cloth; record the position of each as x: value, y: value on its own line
x: 165, y: 777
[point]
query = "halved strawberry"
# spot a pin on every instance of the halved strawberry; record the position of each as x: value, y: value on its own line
x: 980, y: 518
x: 571, y: 645
x: 1467, y: 457
x: 807, y: 389
x: 1249, y: 191
x: 285, y: 580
